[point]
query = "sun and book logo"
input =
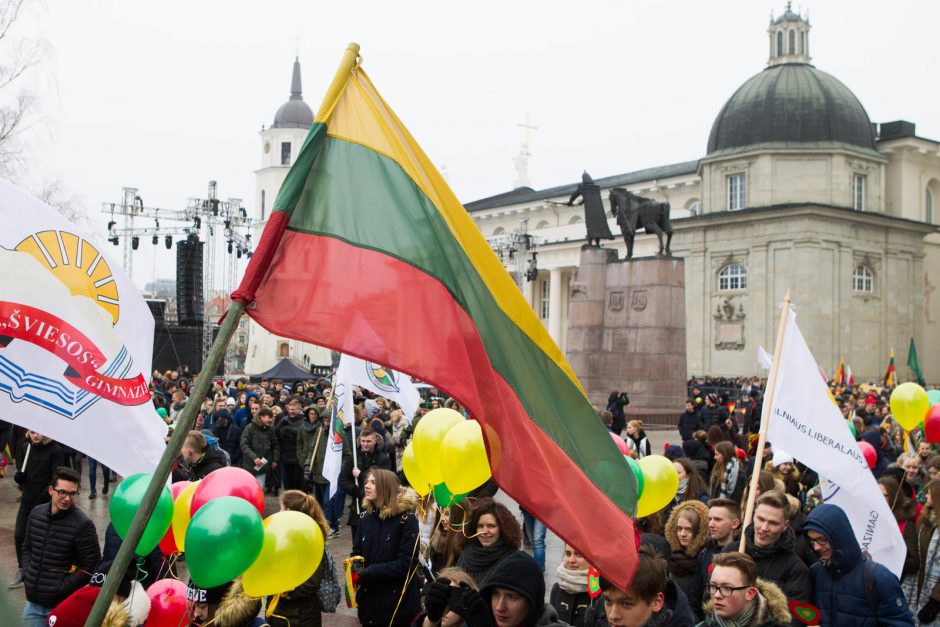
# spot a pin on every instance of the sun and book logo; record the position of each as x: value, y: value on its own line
x: 58, y: 296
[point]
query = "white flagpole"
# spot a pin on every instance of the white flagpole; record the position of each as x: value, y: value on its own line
x: 765, y: 419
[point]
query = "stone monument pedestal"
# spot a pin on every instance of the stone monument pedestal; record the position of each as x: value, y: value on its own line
x: 626, y: 332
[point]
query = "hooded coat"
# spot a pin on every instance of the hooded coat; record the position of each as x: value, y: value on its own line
x: 841, y: 594
x: 779, y: 564
x: 229, y: 434
x: 684, y: 560
x: 873, y: 437
x: 259, y: 441
x: 238, y: 609
x: 772, y: 609
x: 520, y: 573
x: 211, y: 460
x: 388, y: 540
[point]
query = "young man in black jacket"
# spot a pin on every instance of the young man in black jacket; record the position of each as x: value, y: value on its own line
x: 60, y: 550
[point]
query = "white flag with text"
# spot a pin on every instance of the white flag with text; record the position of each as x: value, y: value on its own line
x: 382, y: 381
x: 76, y: 340
x: 342, y: 413
x: 804, y: 419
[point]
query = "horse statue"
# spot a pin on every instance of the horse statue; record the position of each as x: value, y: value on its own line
x: 629, y: 209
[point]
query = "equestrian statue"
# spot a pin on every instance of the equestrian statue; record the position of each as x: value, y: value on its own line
x: 630, y: 209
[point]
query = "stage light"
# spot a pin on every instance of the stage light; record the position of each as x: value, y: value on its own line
x: 168, y: 240
x: 230, y: 247
x: 155, y: 239
x: 135, y: 242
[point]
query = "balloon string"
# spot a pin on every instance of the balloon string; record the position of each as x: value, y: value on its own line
x: 411, y: 574
x: 273, y: 605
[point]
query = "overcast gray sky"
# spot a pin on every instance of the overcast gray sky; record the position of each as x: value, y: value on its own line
x: 165, y: 96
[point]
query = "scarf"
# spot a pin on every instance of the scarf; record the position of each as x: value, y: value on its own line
x: 477, y: 560
x: 682, y: 564
x: 680, y: 491
x: 572, y: 581
x: 730, y: 479
x: 743, y: 619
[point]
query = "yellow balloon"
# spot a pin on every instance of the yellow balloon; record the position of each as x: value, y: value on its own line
x: 660, y: 482
x: 909, y: 404
x: 413, y: 472
x: 291, y: 553
x: 181, y: 513
x: 427, y: 440
x: 463, y: 457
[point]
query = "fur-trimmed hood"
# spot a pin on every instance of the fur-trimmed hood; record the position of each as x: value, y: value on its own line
x: 772, y: 605
x: 236, y: 608
x: 407, y: 501
x: 699, y: 539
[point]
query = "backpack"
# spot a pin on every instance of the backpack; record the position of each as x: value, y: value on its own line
x: 329, y: 591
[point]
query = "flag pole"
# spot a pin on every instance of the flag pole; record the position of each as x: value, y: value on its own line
x: 335, y: 90
x: 764, y: 420
x: 183, y: 425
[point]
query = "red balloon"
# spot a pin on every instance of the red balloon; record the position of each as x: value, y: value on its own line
x: 229, y: 481
x: 167, y: 604
x: 621, y: 444
x: 168, y: 543
x: 932, y: 424
x: 869, y: 452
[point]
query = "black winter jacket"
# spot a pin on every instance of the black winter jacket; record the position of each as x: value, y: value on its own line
x: 388, y: 540
x: 570, y: 607
x: 779, y: 564
x: 714, y: 416
x: 676, y: 602
x: 259, y: 441
x: 228, y: 440
x: 42, y: 462
x: 210, y: 461
x: 286, y: 430
x: 55, y: 543
x: 689, y: 423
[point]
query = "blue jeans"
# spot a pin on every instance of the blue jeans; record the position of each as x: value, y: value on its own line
x: 333, y: 507
x: 93, y: 473
x: 35, y: 615
x: 536, y: 531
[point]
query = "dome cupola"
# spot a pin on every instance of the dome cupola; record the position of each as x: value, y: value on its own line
x: 789, y: 38
x: 295, y: 113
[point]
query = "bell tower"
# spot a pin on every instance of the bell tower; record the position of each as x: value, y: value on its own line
x: 789, y: 38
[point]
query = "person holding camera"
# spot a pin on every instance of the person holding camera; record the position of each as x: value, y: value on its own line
x: 451, y: 600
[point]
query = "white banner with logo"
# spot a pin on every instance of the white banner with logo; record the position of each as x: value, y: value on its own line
x: 342, y: 413
x: 76, y: 340
x: 382, y: 381
x: 805, y: 419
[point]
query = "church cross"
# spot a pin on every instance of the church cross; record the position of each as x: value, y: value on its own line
x: 527, y: 128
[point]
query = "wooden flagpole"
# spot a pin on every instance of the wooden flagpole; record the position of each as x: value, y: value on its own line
x: 162, y: 472
x: 765, y: 419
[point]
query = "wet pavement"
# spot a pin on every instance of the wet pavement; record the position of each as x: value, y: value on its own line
x: 340, y: 547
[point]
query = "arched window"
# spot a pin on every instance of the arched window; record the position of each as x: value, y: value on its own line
x: 694, y: 206
x: 732, y: 277
x: 499, y: 230
x: 283, y: 350
x: 928, y: 207
x: 575, y: 219
x: 779, y: 43
x: 541, y: 225
x: 262, y: 205
x: 863, y: 279
x: 803, y: 42
x: 792, y: 41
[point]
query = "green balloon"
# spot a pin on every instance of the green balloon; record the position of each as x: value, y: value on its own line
x: 933, y: 397
x: 444, y: 497
x: 638, y: 473
x: 223, y: 539
x: 125, y: 502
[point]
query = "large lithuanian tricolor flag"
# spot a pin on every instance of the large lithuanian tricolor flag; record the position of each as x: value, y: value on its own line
x: 369, y: 252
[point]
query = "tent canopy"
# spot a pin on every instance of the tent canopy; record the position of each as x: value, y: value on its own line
x: 284, y: 370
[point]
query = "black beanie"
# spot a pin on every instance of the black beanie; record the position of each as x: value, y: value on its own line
x: 658, y: 544
x: 521, y: 574
x: 212, y: 596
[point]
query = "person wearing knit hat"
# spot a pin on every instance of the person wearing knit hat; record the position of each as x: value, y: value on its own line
x: 225, y: 605
x: 515, y: 592
x: 130, y: 605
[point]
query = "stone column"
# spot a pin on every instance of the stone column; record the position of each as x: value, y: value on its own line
x: 554, y: 305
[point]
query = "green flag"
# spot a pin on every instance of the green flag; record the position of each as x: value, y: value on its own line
x: 913, y: 364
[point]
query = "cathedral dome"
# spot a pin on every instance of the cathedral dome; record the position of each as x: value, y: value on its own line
x: 791, y: 103
x: 295, y: 113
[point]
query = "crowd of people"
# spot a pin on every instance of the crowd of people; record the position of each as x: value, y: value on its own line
x: 414, y: 563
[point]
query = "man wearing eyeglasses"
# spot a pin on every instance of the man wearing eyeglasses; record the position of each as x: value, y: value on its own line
x: 60, y: 550
x: 738, y: 597
x: 851, y: 589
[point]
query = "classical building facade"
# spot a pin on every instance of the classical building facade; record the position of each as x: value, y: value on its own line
x: 280, y: 145
x: 797, y: 189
